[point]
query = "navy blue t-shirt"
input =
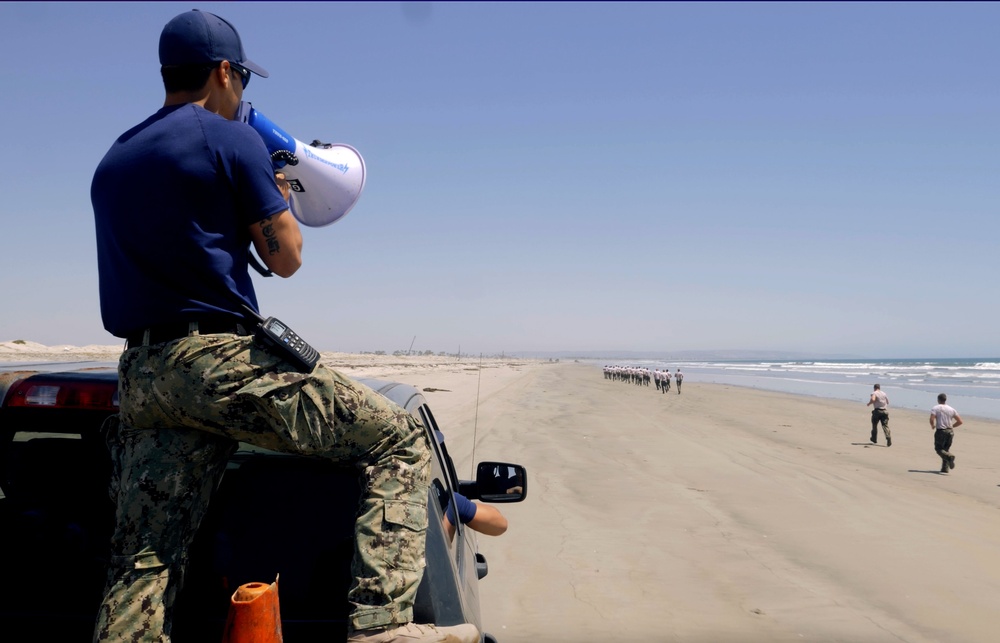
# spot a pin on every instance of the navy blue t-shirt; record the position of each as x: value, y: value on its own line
x: 173, y: 201
x: 466, y: 510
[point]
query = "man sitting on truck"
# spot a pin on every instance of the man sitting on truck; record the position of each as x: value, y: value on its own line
x: 178, y: 199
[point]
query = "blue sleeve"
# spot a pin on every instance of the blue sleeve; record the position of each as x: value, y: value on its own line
x: 265, y: 198
x: 466, y: 510
x: 251, y: 173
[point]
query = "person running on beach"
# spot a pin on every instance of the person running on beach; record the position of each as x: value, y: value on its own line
x: 879, y: 402
x: 679, y: 377
x: 944, y: 420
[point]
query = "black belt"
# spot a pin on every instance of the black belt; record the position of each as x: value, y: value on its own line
x: 169, y: 332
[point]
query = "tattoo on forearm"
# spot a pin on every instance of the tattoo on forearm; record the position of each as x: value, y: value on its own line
x: 267, y: 227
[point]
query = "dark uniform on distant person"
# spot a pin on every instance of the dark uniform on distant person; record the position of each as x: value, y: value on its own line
x: 879, y: 402
x: 944, y: 420
x: 178, y: 200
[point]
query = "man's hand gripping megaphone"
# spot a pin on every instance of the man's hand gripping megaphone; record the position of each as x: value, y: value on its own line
x: 325, y: 179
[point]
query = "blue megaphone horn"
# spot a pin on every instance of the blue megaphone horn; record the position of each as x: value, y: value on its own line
x: 326, y: 179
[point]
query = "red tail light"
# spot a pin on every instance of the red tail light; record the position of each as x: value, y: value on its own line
x: 65, y: 392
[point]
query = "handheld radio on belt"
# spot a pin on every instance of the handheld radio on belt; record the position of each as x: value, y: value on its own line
x: 283, y: 341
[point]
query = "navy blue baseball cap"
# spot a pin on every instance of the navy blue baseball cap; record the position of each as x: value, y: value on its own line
x: 197, y: 37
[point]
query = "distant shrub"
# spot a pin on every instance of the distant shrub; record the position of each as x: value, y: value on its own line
x: 19, y: 341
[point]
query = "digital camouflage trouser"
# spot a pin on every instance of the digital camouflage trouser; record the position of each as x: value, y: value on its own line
x: 184, y: 406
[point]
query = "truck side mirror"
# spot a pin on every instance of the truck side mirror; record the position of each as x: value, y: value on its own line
x: 501, y: 482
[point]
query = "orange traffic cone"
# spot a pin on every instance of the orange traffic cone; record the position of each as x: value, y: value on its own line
x: 254, y: 616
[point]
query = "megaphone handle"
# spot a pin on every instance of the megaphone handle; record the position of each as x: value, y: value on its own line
x: 281, y: 157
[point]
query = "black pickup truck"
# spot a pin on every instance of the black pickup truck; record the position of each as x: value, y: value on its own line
x: 274, y: 514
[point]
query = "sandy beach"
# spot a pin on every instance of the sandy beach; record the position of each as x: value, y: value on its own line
x: 728, y: 514
x: 721, y: 514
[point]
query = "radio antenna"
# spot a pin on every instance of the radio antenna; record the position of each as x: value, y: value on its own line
x: 475, y: 423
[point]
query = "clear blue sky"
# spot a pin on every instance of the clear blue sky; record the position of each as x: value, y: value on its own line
x: 821, y: 178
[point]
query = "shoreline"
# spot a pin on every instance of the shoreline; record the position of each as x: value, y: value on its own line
x: 839, y: 403
x: 902, y: 395
x: 892, y: 409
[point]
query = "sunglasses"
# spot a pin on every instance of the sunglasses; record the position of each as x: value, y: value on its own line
x: 243, y: 72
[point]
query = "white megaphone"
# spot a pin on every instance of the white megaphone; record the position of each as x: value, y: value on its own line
x: 326, y: 179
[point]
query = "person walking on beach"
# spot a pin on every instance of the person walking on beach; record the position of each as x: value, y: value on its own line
x: 879, y: 402
x: 944, y: 420
x: 679, y: 378
x: 178, y: 200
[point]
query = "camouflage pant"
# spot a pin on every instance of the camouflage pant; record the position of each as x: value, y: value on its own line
x: 184, y: 406
x: 880, y: 415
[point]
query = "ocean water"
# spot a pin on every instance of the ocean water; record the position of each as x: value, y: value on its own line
x: 972, y: 384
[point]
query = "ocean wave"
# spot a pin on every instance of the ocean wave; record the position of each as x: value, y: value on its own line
x: 972, y: 385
